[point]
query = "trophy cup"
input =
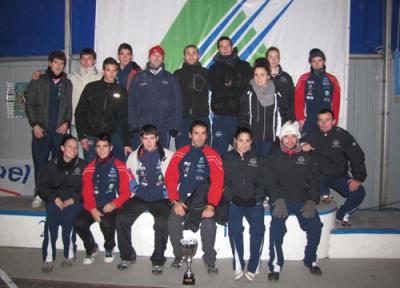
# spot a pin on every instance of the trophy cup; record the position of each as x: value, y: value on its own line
x: 189, y: 247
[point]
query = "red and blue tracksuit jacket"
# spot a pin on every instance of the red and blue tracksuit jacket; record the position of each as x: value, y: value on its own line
x: 316, y: 90
x: 191, y: 166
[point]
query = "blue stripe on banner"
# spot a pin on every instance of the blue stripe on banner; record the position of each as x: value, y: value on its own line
x: 246, y: 25
x: 221, y: 26
x: 246, y: 53
x: 23, y: 213
x: 365, y: 231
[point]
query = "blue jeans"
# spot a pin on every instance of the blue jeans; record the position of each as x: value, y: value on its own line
x: 255, y: 217
x: 341, y: 186
x: 183, y: 138
x: 55, y: 218
x: 263, y: 147
x: 277, y: 230
x: 41, y: 149
x: 223, y: 129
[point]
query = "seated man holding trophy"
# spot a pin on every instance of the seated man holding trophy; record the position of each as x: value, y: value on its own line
x: 194, y: 180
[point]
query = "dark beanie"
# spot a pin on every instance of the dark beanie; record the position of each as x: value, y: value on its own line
x: 315, y: 52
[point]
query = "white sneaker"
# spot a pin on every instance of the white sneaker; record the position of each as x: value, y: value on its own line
x: 89, y: 259
x: 250, y: 276
x: 37, y: 202
x: 109, y: 257
x: 239, y: 274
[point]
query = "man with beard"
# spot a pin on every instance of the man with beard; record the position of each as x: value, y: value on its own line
x: 294, y: 189
x: 154, y: 97
x: 193, y: 81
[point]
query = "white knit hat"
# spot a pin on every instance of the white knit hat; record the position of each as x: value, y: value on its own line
x: 290, y: 129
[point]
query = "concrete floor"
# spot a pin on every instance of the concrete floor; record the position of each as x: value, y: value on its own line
x: 25, y: 263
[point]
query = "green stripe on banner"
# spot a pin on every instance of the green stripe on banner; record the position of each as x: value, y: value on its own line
x: 193, y: 23
x: 246, y: 39
x: 228, y: 31
x: 260, y: 53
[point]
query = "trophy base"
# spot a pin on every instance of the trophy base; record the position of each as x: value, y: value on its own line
x: 189, y: 280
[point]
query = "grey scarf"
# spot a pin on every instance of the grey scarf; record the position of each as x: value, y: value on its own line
x: 265, y: 95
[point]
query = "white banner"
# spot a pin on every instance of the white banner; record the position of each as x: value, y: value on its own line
x: 294, y: 26
x: 16, y: 178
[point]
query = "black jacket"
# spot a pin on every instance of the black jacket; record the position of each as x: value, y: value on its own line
x: 193, y: 81
x: 334, y: 150
x: 102, y: 107
x: 294, y: 178
x: 285, y: 87
x: 263, y: 121
x: 60, y: 181
x: 229, y: 77
x: 37, y: 101
x: 242, y: 183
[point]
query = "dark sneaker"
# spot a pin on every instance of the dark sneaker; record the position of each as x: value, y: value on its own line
x: 177, y: 263
x: 212, y: 269
x: 156, y: 269
x: 124, y: 264
x: 67, y: 262
x: 272, y: 275
x: 47, y: 267
x: 315, y: 270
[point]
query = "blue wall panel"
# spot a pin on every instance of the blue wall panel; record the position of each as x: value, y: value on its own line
x: 29, y: 28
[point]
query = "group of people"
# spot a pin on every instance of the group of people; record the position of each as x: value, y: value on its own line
x: 267, y: 140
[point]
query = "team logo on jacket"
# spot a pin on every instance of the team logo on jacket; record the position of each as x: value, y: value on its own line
x: 116, y: 95
x: 336, y: 144
x: 143, y: 84
x: 301, y: 160
x: 77, y: 171
x: 165, y: 82
x: 218, y: 134
x: 253, y: 162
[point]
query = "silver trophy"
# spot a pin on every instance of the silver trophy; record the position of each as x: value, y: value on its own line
x: 189, y: 247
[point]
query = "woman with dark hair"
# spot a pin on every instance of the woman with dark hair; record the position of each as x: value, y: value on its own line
x: 60, y: 186
x: 262, y: 108
x: 245, y: 192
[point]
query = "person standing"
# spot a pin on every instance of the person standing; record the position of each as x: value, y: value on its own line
x: 263, y: 109
x: 282, y: 80
x: 102, y: 108
x: 193, y: 81
x: 155, y: 98
x: 229, y: 77
x: 127, y: 67
x: 48, y: 107
x: 316, y: 90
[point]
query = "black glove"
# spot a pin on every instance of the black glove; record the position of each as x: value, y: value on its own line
x: 173, y: 132
x: 309, y: 209
x: 280, y: 209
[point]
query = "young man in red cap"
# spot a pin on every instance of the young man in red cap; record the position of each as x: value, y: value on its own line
x: 155, y: 98
x: 315, y: 90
